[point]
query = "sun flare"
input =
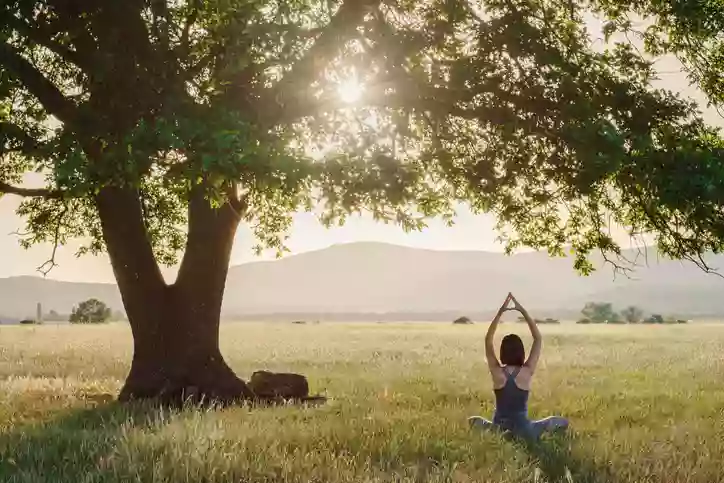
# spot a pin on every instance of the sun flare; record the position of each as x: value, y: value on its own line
x: 350, y: 91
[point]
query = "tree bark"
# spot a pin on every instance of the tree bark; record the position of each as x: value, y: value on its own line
x: 177, y: 357
x: 175, y: 327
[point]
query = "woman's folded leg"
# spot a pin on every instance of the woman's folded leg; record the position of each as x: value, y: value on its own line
x: 479, y: 422
x: 549, y: 424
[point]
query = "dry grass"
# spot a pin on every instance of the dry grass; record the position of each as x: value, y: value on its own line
x: 645, y: 403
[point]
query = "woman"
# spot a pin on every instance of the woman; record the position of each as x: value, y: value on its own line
x: 512, y: 378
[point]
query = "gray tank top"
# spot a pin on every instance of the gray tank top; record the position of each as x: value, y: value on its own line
x: 510, y: 400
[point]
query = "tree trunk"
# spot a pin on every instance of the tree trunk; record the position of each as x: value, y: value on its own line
x: 175, y: 327
x: 176, y: 354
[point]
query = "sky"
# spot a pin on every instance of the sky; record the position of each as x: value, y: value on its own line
x: 470, y: 232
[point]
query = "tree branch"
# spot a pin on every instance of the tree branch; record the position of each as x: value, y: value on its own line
x: 8, y: 189
x: 43, y: 89
x: 44, y: 39
x: 238, y: 202
x: 327, y: 46
x: 186, y: 33
x: 128, y: 244
x: 699, y: 261
x: 411, y: 96
x: 161, y: 22
x: 50, y: 264
x: 26, y: 144
x: 123, y: 34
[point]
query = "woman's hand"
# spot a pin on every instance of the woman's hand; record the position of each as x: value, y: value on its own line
x: 506, y: 304
x: 516, y: 305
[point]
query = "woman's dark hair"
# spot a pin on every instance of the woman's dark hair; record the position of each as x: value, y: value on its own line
x: 512, y: 351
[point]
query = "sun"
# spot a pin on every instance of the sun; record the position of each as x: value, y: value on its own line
x: 350, y: 91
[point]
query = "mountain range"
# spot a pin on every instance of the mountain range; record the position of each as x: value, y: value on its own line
x: 370, y: 279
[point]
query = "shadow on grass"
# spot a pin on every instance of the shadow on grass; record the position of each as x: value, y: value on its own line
x: 72, y: 446
x: 558, y: 462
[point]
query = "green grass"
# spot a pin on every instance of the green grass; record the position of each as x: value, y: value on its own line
x: 645, y: 405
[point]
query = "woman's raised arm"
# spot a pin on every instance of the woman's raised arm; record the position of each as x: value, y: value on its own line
x: 535, y: 349
x: 493, y: 362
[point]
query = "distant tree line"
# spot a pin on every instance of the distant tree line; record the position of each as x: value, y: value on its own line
x: 604, y: 313
x: 91, y: 311
x: 94, y: 311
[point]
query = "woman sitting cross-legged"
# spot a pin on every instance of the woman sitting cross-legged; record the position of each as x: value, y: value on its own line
x: 511, y: 380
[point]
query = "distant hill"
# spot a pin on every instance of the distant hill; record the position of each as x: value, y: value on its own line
x: 369, y: 278
x: 376, y: 277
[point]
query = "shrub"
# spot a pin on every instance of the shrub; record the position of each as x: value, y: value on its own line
x: 29, y: 322
x: 583, y: 321
x: 462, y: 321
x: 548, y: 320
x: 654, y: 319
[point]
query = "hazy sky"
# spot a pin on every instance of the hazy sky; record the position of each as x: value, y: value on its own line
x: 470, y: 232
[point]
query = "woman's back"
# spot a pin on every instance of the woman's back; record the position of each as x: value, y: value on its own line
x: 511, y: 399
x: 511, y: 404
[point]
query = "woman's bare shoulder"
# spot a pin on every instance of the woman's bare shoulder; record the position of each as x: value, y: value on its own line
x: 498, y: 376
x: 524, y: 378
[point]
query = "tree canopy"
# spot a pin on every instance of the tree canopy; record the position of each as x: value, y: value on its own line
x: 691, y: 31
x: 91, y: 311
x: 500, y: 104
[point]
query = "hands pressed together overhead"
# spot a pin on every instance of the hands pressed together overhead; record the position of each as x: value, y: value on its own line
x: 535, y: 332
x: 516, y: 305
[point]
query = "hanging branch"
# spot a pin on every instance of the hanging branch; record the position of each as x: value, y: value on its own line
x: 49, y: 264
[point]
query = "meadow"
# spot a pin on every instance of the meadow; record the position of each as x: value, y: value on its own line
x: 645, y: 404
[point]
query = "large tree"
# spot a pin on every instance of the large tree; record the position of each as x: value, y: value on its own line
x: 599, y: 312
x: 91, y: 311
x: 160, y: 125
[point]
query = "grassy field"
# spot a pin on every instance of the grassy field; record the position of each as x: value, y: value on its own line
x: 645, y: 404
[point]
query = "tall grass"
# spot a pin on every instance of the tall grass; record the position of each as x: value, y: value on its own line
x: 645, y: 404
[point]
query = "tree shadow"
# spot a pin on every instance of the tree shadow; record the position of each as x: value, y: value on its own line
x: 558, y: 462
x: 71, y: 446
x: 76, y: 444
